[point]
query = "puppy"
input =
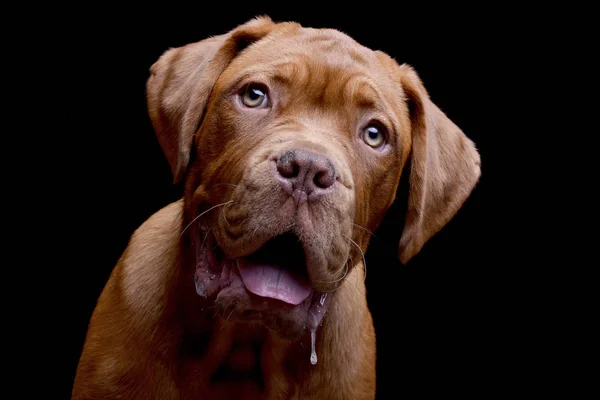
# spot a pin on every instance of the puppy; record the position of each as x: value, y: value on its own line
x: 291, y: 142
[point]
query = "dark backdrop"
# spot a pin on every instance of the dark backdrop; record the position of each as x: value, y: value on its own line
x: 441, y: 320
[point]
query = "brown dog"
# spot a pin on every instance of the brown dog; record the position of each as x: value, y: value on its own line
x: 291, y: 142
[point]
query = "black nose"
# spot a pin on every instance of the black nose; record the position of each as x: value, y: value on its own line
x: 305, y: 171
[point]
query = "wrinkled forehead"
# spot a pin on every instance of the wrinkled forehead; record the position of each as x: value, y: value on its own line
x: 323, y: 62
x: 327, y: 45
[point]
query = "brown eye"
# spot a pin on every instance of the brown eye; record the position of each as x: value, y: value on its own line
x: 373, y: 136
x: 254, y: 96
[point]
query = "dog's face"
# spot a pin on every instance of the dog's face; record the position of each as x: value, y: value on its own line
x: 299, y: 140
x: 303, y: 152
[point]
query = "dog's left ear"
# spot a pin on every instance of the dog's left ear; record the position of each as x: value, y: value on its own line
x: 445, y: 167
x: 181, y: 82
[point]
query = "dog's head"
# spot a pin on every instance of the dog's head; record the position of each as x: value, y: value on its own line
x: 292, y: 142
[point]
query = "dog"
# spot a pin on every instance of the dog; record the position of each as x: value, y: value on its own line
x: 290, y: 143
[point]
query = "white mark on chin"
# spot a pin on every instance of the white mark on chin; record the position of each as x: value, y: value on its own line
x: 313, y: 353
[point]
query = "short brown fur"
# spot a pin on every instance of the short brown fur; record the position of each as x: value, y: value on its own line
x: 151, y: 335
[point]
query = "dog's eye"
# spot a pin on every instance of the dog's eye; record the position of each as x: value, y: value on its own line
x: 373, y: 136
x: 254, y: 96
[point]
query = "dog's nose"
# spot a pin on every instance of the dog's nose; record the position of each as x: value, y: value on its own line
x: 305, y: 171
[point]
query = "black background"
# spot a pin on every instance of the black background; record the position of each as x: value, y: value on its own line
x: 448, y: 323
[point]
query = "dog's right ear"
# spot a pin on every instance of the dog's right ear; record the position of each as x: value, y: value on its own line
x: 445, y: 167
x: 180, y: 84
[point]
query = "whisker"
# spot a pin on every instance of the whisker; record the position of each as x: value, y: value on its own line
x: 361, y: 252
x: 205, y: 236
x: 225, y: 216
x: 211, y: 307
x: 229, y: 316
x: 364, y: 229
x: 345, y: 282
x: 339, y: 279
x: 194, y: 220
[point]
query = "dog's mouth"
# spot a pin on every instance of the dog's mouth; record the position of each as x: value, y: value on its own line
x: 271, y: 285
x: 277, y: 270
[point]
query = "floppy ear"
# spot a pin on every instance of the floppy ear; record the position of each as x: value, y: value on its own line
x: 445, y: 167
x: 180, y: 84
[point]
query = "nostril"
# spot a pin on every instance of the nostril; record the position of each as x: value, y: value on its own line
x: 287, y: 165
x: 286, y: 170
x: 325, y: 178
x: 295, y: 169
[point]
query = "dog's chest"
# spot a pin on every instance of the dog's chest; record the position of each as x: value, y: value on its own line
x: 226, y: 363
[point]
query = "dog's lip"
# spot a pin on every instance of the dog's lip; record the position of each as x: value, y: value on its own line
x: 214, y: 271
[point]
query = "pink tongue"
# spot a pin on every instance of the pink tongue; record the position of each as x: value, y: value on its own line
x: 272, y: 281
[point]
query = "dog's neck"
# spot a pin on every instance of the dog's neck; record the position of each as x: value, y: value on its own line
x: 224, y: 356
x: 203, y: 347
x: 202, y: 344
